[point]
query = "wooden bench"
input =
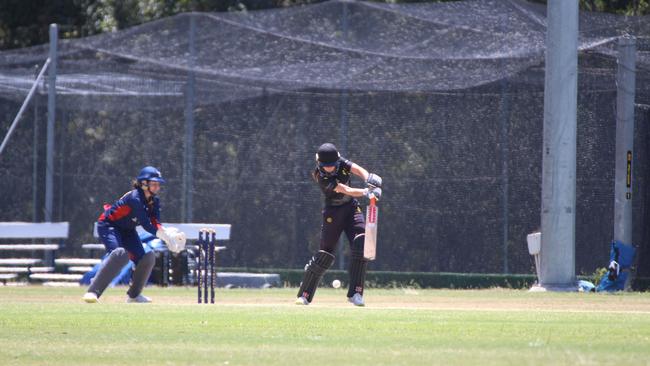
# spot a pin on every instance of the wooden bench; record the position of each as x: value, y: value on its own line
x: 76, y: 265
x: 77, y: 261
x: 27, y: 270
x: 29, y: 247
x: 93, y: 248
x: 79, y: 269
x: 7, y: 276
x: 30, y: 230
x: 19, y: 261
x: 55, y: 277
x: 222, y: 231
x: 191, y: 230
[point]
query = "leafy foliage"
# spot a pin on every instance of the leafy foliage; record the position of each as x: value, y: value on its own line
x: 25, y: 23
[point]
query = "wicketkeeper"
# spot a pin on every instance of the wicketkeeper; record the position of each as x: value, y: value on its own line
x: 116, y: 227
x: 340, y: 214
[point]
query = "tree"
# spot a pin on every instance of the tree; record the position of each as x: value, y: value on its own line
x: 25, y: 23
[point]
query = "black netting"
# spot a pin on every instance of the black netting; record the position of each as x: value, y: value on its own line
x: 444, y: 100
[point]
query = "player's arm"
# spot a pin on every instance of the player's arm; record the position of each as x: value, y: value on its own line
x: 370, y: 178
x: 359, y: 171
x: 358, y: 192
x: 354, y: 192
x: 173, y: 238
x: 150, y: 224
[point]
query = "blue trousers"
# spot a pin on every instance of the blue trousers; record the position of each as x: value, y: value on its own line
x: 113, y: 237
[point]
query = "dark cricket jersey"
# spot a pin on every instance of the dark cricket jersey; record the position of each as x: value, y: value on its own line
x: 132, y: 210
x: 328, y: 182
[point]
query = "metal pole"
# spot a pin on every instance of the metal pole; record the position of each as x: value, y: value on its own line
x: 557, y: 253
x: 22, y: 108
x: 625, y: 84
x: 35, y: 160
x: 343, y: 122
x: 198, y: 264
x: 188, y: 148
x: 504, y: 121
x: 51, y: 114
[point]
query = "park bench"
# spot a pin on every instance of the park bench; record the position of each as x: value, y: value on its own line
x: 14, y: 263
x: 164, y: 266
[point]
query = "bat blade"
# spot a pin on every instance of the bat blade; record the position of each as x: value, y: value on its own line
x: 370, y: 243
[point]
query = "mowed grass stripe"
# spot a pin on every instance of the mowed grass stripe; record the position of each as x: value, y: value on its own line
x: 68, y: 332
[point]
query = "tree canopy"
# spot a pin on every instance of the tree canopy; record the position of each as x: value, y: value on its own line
x: 24, y: 23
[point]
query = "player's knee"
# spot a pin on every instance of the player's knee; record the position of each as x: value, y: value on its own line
x: 357, y: 244
x: 146, y: 259
x: 119, y: 253
x: 320, y: 262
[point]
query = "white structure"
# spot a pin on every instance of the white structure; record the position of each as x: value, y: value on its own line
x: 191, y: 230
x: 557, y: 255
x: 534, y: 245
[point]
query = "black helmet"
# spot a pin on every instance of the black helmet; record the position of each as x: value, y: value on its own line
x: 327, y: 155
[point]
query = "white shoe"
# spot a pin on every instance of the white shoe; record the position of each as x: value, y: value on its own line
x: 301, y: 301
x: 139, y: 299
x: 357, y: 299
x: 90, y: 297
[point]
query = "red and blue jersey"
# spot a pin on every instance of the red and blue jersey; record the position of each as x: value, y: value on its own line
x: 132, y: 210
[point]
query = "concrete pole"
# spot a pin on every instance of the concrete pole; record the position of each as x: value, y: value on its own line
x: 625, y: 84
x: 557, y: 256
x: 51, y: 115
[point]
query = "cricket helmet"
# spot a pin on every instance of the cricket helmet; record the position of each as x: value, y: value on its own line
x: 327, y: 155
x: 151, y: 174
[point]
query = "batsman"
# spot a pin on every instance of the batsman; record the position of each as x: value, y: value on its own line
x: 341, y: 213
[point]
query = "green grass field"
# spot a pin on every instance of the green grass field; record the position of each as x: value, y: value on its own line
x: 51, y: 326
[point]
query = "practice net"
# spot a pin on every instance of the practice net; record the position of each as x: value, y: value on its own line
x: 443, y: 100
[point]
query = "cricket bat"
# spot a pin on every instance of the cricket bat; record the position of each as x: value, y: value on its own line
x: 370, y: 243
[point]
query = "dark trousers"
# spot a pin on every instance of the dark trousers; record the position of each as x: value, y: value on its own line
x: 346, y: 218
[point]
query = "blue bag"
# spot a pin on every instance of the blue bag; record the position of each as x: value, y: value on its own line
x: 621, y: 258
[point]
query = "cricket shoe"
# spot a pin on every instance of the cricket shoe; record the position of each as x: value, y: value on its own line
x: 139, y: 299
x: 301, y: 301
x: 91, y: 298
x: 357, y: 299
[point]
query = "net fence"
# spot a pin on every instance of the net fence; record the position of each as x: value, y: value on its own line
x: 443, y: 100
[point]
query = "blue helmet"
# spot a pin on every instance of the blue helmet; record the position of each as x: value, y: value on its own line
x: 151, y: 174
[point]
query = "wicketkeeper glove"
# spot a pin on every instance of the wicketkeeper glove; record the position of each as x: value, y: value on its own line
x: 174, y: 239
x: 178, y: 242
x: 164, y: 234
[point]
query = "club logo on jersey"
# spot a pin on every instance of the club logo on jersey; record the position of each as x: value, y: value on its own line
x: 329, y: 220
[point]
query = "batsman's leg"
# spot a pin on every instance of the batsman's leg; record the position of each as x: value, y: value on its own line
x: 314, y: 271
x: 110, y: 268
x: 358, y: 264
x: 331, y: 228
x: 358, y: 267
